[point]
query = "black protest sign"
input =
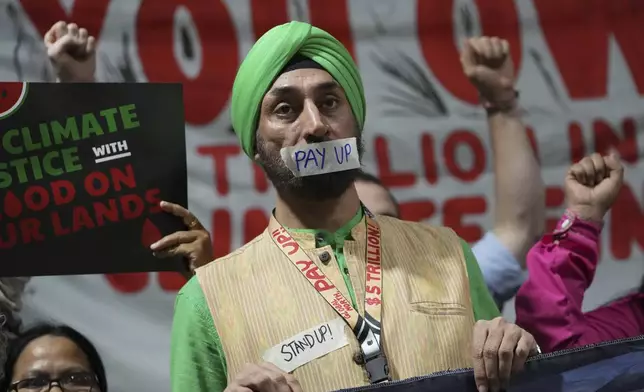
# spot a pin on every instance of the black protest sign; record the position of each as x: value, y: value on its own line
x: 83, y: 168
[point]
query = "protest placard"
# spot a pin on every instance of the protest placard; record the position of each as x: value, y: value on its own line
x: 83, y: 168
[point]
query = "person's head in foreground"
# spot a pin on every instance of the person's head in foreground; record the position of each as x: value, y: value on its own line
x: 375, y: 196
x: 306, y: 96
x: 53, y: 358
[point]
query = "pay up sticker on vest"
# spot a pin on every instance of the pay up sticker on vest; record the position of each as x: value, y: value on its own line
x: 307, y: 346
x: 320, y: 158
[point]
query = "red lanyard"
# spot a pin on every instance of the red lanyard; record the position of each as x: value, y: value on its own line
x: 367, y: 329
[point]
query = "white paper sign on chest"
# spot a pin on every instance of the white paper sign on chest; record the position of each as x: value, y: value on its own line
x: 308, y: 345
x: 320, y: 158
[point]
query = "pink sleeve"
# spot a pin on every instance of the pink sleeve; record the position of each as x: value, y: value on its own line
x: 549, y: 304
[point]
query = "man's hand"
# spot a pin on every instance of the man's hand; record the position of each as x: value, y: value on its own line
x: 263, y: 378
x: 487, y: 63
x: 499, y: 349
x: 194, y: 244
x: 592, y: 185
x: 72, y: 52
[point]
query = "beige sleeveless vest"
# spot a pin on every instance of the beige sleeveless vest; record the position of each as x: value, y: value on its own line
x: 258, y: 299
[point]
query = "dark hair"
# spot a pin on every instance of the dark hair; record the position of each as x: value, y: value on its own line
x: 370, y: 178
x: 17, y: 346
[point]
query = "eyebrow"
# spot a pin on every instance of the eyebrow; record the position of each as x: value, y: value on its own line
x: 286, y: 90
x: 35, y: 374
x: 77, y: 369
x: 70, y: 370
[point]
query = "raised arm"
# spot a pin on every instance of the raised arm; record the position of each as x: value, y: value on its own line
x: 519, y: 190
x: 562, y: 266
x: 518, y: 187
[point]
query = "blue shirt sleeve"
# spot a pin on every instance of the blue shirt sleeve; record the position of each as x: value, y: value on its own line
x: 501, y: 271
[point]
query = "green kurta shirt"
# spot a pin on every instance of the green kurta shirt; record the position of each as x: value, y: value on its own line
x: 198, y: 363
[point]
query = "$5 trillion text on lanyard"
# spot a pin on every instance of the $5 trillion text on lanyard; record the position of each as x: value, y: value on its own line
x: 367, y: 329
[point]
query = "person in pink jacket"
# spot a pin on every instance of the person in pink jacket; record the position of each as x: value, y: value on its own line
x: 562, y: 265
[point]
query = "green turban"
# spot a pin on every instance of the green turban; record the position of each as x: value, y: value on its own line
x: 268, y: 57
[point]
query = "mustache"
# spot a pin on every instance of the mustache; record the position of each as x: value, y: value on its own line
x: 310, y: 139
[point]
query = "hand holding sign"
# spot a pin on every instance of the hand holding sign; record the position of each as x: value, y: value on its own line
x: 500, y: 349
x: 194, y: 245
x: 263, y: 378
x: 72, y: 52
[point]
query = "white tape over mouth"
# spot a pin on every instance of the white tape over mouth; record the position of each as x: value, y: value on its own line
x: 321, y: 158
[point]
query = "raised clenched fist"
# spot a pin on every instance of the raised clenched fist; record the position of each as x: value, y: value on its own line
x: 592, y: 185
x: 487, y: 63
x: 72, y: 52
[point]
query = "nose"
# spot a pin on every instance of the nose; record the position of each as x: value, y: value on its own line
x: 313, y: 124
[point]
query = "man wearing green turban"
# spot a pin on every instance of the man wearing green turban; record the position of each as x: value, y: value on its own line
x: 329, y: 296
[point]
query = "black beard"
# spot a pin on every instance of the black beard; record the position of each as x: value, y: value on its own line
x: 321, y: 187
